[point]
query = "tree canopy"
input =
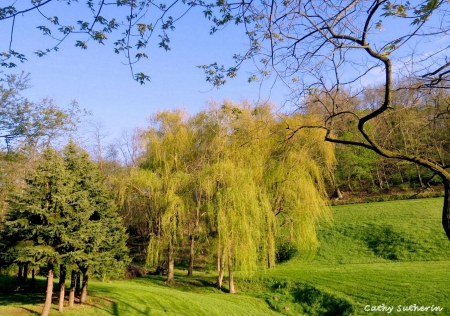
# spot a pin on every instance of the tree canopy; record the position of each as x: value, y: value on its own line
x: 35, y: 124
x: 230, y: 177
x: 64, y: 215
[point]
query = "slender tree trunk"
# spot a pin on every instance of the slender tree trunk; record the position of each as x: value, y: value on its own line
x: 25, y: 273
x: 218, y: 260
x: 78, y: 284
x: 62, y: 286
x: 446, y: 208
x: 33, y: 279
x: 20, y: 273
x: 191, y: 255
x: 230, y: 272
x: 419, y: 175
x: 221, y: 268
x: 73, y: 281
x: 380, y: 180
x: 49, y: 293
x: 171, y: 265
x: 349, y: 181
x: 386, y: 179
x: 361, y: 185
x: 84, y: 289
x: 337, y: 194
x: 400, y: 173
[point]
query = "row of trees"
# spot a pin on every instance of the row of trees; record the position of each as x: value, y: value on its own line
x: 226, y: 182
x: 64, y: 215
x: 57, y: 213
x: 416, y: 123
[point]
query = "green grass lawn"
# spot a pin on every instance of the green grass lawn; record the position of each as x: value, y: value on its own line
x: 391, y: 253
x: 387, y: 253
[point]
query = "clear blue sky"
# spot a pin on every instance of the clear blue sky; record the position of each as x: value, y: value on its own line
x: 99, y: 81
x: 102, y: 84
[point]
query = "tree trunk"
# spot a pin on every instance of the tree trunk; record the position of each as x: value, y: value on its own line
x: 419, y: 175
x: 231, y: 276
x: 48, y: 296
x: 73, y: 281
x: 337, y: 194
x: 62, y: 286
x: 386, y: 179
x: 221, y: 268
x: 25, y: 273
x: 33, y: 279
x: 380, y: 180
x: 446, y: 208
x: 170, y: 273
x: 349, y: 181
x: 191, y: 255
x: 84, y: 289
x: 400, y: 173
x: 78, y: 284
x: 20, y: 273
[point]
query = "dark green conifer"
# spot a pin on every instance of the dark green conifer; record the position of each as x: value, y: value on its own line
x: 66, y: 215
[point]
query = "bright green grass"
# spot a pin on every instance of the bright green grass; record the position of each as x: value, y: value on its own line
x: 146, y: 296
x: 367, y: 233
x: 139, y: 298
x: 392, y: 253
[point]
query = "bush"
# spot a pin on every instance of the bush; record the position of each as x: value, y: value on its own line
x: 135, y: 271
x: 285, y: 252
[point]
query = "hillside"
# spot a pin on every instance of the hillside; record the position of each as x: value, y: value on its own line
x: 391, y: 253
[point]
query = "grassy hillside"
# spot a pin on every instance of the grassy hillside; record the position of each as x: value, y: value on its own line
x: 391, y: 253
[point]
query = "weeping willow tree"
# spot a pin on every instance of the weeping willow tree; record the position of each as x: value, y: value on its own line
x: 294, y: 178
x: 240, y: 215
x: 233, y: 175
x: 260, y: 179
x: 158, y: 186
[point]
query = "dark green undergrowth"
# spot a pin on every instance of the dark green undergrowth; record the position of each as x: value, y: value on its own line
x: 289, y: 296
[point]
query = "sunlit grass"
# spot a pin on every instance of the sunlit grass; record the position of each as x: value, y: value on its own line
x: 353, y: 260
x: 392, y: 253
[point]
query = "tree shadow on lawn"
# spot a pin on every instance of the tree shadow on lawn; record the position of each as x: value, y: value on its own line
x: 195, y: 284
x: 316, y: 302
x: 21, y: 294
x: 14, y: 294
x: 116, y: 302
x: 307, y: 300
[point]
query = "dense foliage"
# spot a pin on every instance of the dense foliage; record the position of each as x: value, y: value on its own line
x: 228, y: 183
x: 64, y: 215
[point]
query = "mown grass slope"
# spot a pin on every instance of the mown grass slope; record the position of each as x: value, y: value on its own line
x: 392, y: 253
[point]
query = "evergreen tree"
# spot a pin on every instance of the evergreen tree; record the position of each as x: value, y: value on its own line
x: 35, y: 218
x: 66, y: 215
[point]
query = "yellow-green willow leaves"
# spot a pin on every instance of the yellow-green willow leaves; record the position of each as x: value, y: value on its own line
x: 231, y: 181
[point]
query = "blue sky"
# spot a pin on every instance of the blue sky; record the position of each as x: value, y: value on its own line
x: 103, y: 85
x: 99, y: 81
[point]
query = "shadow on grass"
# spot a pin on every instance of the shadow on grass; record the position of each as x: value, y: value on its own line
x: 196, y: 284
x: 21, y: 294
x: 316, y: 302
x: 116, y: 304
x: 306, y: 300
x: 13, y: 293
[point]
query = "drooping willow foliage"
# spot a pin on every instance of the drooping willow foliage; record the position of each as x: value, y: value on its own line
x: 231, y: 178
